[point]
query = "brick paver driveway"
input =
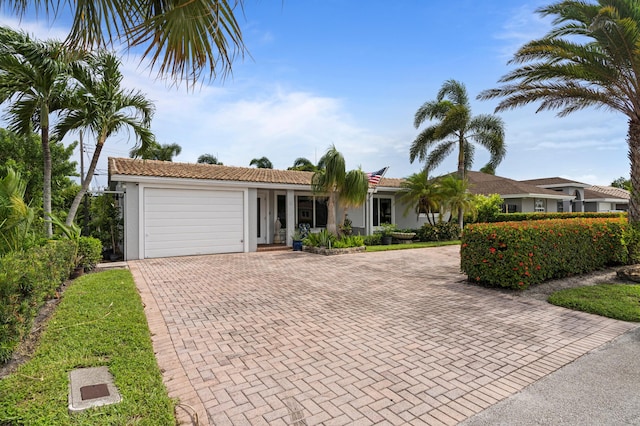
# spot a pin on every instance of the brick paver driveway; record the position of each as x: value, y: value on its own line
x: 390, y: 338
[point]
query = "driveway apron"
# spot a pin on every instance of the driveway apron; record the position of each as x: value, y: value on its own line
x: 397, y: 337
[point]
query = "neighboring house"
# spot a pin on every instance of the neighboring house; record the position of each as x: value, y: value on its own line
x: 518, y: 196
x: 588, y: 198
x: 174, y: 209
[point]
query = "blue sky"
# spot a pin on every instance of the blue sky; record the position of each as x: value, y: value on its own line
x: 353, y: 74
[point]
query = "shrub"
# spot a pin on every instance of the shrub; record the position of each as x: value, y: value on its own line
x: 487, y: 208
x: 89, y: 252
x: 519, y: 217
x: 328, y: 240
x: 373, y: 240
x: 519, y: 254
x: 27, y: 279
x: 442, y: 231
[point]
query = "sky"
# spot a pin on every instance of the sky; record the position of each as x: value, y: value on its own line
x: 352, y: 74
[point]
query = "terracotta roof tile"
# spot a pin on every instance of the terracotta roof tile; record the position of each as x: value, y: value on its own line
x: 154, y: 168
x: 595, y: 192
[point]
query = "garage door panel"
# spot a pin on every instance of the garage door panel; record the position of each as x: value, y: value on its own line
x: 181, y: 222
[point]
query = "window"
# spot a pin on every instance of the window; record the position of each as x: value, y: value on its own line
x: 282, y: 210
x: 509, y: 208
x: 540, y: 205
x: 381, y: 211
x: 560, y: 206
x: 313, y: 210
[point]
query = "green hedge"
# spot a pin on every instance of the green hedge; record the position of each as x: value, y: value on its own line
x: 519, y: 217
x: 27, y: 279
x: 89, y: 252
x: 441, y: 231
x: 519, y: 254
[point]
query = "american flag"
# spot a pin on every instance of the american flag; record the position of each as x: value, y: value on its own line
x: 374, y: 177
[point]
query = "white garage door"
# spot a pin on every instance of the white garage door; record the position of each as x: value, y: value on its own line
x: 180, y: 222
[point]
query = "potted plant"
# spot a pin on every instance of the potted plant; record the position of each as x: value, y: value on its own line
x: 297, y: 238
x: 386, y: 229
x: 404, y: 236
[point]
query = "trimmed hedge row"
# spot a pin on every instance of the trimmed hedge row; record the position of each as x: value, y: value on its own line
x: 519, y: 217
x: 27, y: 279
x: 519, y: 254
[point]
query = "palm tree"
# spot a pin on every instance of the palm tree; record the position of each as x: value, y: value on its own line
x: 421, y: 194
x: 456, y: 127
x: 304, y: 165
x: 100, y: 105
x: 455, y: 196
x: 209, y: 159
x: 261, y: 163
x: 156, y: 151
x: 33, y: 75
x: 589, y: 58
x: 347, y: 188
x: 181, y: 38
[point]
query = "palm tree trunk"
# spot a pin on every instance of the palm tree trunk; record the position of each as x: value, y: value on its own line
x: 85, y: 184
x: 331, y: 213
x: 46, y: 187
x: 634, y: 155
x: 461, y: 171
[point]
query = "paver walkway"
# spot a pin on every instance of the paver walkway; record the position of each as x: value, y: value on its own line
x: 391, y: 337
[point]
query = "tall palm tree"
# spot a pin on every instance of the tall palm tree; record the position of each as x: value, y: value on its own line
x: 209, y: 159
x: 182, y: 38
x: 261, y: 163
x: 590, y: 58
x: 100, y: 105
x: 456, y: 128
x: 33, y: 76
x: 156, y: 151
x: 304, y: 165
x: 349, y: 189
x: 421, y: 194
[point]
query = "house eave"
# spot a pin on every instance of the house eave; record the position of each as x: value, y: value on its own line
x: 206, y: 182
x: 533, y: 195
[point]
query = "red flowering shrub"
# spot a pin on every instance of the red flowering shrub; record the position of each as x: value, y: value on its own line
x: 519, y: 254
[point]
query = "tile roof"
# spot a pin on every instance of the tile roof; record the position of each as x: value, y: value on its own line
x: 167, y: 169
x: 554, y: 181
x: 595, y: 192
x: 486, y: 184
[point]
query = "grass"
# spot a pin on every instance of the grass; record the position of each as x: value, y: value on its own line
x: 618, y: 301
x: 412, y: 245
x: 99, y: 322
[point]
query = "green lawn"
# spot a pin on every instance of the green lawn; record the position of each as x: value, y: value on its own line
x: 618, y: 301
x: 99, y: 322
x: 413, y: 245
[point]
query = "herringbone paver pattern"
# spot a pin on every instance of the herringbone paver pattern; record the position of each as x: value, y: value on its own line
x: 290, y: 338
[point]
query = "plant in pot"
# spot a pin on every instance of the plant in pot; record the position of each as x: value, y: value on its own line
x: 297, y: 238
x: 386, y: 229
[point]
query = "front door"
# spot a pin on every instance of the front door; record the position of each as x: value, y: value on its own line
x: 261, y: 226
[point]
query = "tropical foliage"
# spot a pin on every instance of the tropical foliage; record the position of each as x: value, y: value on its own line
x: 183, y: 39
x: 590, y: 58
x: 156, y: 151
x: 16, y: 216
x: 23, y: 153
x: 348, y: 189
x: 304, y: 165
x: 209, y: 159
x: 99, y: 104
x: 622, y: 183
x: 33, y: 76
x: 261, y: 163
x: 456, y: 128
